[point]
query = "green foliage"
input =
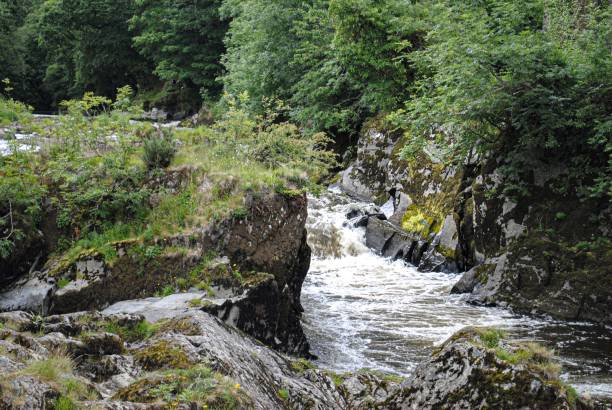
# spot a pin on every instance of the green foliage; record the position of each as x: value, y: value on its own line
x: 183, y: 39
x: 197, y: 385
x: 63, y: 282
x: 159, y: 151
x: 133, y: 333
x: 491, y: 337
x: 64, y: 403
x: 491, y: 79
x: 283, y: 394
x: 336, y: 62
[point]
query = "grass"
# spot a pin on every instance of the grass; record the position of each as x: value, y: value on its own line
x: 301, y: 365
x: 52, y: 369
x: 491, y: 337
x: 58, y: 372
x: 196, y: 385
x: 63, y: 282
x: 141, y: 331
x: 64, y: 403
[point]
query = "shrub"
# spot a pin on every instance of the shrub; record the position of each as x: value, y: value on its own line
x: 159, y: 151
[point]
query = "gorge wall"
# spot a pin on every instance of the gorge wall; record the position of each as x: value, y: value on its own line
x: 545, y: 252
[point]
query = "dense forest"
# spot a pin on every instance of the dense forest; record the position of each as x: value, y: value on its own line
x: 467, y: 76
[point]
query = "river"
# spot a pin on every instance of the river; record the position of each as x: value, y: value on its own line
x: 365, y: 311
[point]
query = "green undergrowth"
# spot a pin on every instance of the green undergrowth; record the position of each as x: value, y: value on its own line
x: 58, y: 372
x: 198, y: 386
x: 100, y: 192
x: 533, y: 356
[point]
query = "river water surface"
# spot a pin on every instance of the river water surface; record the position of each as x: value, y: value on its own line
x: 364, y: 311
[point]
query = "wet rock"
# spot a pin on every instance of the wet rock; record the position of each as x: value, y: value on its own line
x: 32, y: 295
x: 466, y: 374
x: 539, y: 276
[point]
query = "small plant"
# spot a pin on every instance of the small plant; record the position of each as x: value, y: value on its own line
x: 141, y: 331
x: 63, y: 282
x: 301, y: 365
x: 197, y: 302
x: 166, y: 291
x: 64, y: 403
x: 240, y: 213
x: 159, y: 151
x: 183, y: 284
x: 491, y: 337
x: 283, y: 394
x: 560, y: 216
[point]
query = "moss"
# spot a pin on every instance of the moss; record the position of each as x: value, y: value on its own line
x: 418, y: 222
x: 162, y: 355
x: 483, y: 272
x: 198, y: 386
x: 337, y: 379
x: 185, y: 326
x: 386, y: 377
x: 301, y: 365
x: 283, y: 394
x: 194, y: 303
x: 448, y: 253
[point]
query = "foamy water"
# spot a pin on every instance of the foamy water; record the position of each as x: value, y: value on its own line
x: 364, y: 311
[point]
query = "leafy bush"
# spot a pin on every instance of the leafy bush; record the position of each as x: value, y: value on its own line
x: 159, y: 151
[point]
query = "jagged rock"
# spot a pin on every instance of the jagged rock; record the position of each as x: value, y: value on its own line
x: 270, y: 238
x: 101, y: 344
x: 466, y: 374
x: 33, y: 295
x: 539, y: 276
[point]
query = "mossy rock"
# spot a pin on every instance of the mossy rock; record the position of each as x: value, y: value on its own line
x: 162, y: 355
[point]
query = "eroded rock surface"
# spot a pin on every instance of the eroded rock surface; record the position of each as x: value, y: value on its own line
x: 120, y: 361
x: 543, y: 251
x: 270, y: 238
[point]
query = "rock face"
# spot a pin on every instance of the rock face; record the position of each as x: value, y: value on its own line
x: 119, y: 361
x: 534, y: 252
x: 270, y: 238
x: 140, y: 370
x: 465, y: 373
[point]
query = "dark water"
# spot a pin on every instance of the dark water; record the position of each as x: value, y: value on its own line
x: 365, y: 311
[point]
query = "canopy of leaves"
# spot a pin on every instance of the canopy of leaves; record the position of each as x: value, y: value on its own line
x: 183, y: 39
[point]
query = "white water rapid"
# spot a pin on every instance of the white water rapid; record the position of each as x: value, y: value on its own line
x: 364, y: 311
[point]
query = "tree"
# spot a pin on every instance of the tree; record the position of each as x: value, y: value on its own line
x: 89, y: 46
x: 183, y: 39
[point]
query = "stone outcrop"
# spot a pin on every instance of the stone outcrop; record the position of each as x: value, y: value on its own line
x: 476, y: 370
x: 536, y: 252
x: 192, y: 359
x: 270, y: 237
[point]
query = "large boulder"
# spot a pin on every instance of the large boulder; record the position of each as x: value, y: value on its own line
x: 477, y: 369
x: 270, y: 237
